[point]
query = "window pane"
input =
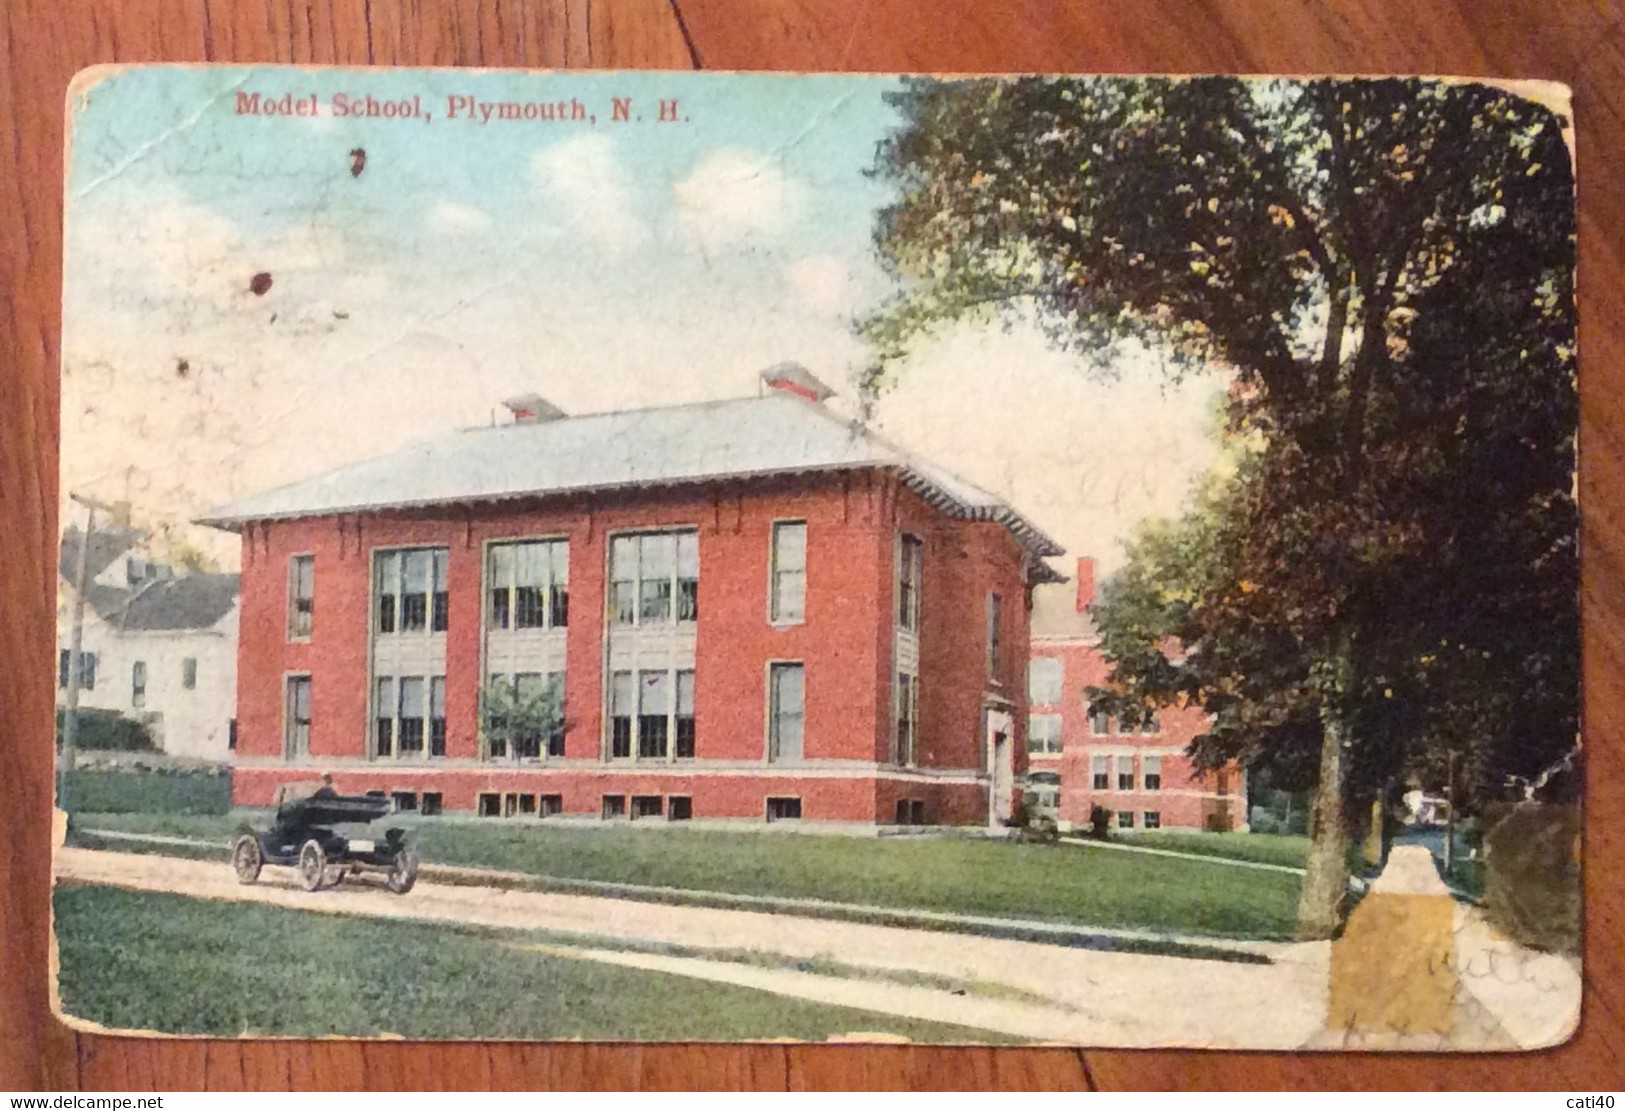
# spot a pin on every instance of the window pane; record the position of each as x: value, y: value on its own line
x: 555, y: 733
x: 499, y: 584
x: 620, y: 709
x: 657, y: 554
x: 384, y: 716
x: 415, y: 571
x: 688, y: 555
x: 437, y: 716
x: 623, y: 572
x: 685, y: 715
x: 559, y: 587
x: 655, y: 692
x: 1044, y: 682
x: 657, y: 561
x: 688, y: 577
x: 411, y: 715
x: 655, y: 601
x: 788, y: 694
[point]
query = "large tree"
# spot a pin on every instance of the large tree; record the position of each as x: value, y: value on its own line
x: 1384, y: 269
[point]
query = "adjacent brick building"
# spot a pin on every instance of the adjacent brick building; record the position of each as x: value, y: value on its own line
x: 1079, y: 758
x: 750, y: 609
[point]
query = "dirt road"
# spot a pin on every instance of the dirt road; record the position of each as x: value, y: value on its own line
x: 1030, y: 990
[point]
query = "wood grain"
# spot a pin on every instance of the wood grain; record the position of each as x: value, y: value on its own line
x: 43, y: 42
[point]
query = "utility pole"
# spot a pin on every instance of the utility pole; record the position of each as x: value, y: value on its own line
x: 76, y: 643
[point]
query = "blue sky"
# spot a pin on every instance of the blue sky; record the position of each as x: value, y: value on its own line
x: 601, y: 265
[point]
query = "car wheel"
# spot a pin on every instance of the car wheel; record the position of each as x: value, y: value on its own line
x: 312, y: 865
x: 246, y: 858
x: 404, y: 873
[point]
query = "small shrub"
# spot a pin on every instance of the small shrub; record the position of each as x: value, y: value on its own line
x: 1265, y: 821
x: 107, y: 731
x: 1100, y: 822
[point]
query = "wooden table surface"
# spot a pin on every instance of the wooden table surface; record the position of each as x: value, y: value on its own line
x: 43, y: 42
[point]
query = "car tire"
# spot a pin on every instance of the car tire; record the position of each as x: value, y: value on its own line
x: 246, y: 858
x: 312, y: 865
x: 404, y: 873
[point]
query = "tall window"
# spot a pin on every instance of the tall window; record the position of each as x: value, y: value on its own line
x: 910, y: 561
x: 655, y: 578
x: 1125, y: 773
x: 994, y: 620
x: 1043, y: 733
x: 296, y: 718
x: 138, y: 684
x: 620, y: 715
x: 301, y: 596
x: 1151, y: 724
x: 189, y: 673
x: 437, y: 715
x: 411, y: 586
x: 528, y: 584
x: 1151, y: 772
x: 383, y: 728
x: 412, y: 717
x: 1044, y: 676
x: 685, y: 715
x: 409, y: 716
x: 652, y: 713
x: 907, y: 707
x: 1100, y: 722
x: 789, y: 603
x: 1100, y: 773
x: 786, y: 711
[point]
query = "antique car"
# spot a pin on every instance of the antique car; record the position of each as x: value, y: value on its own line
x: 314, y: 833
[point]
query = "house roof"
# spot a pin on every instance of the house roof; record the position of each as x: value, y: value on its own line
x: 106, y: 545
x: 186, y: 602
x: 673, y: 445
x: 173, y: 604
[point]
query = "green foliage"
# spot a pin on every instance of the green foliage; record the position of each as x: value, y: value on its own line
x: 517, y: 716
x: 1388, y: 573
x: 107, y: 731
x: 166, y: 791
x: 194, y: 966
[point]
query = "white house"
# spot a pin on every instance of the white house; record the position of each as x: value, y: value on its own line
x: 158, y: 645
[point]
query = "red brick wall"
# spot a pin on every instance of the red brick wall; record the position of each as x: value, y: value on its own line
x: 845, y: 641
x: 740, y: 796
x: 1187, y: 797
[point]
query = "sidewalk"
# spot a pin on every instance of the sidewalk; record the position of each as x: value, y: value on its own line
x: 1416, y: 970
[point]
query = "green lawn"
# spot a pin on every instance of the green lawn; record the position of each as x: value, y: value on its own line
x: 132, y: 792
x: 179, y: 965
x: 1077, y: 884
x: 1260, y: 848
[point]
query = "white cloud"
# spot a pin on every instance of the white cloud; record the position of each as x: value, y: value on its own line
x: 454, y: 218
x: 589, y: 189
x: 734, y: 195
x: 823, y: 284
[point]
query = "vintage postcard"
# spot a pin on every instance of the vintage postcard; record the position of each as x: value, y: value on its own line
x: 719, y: 557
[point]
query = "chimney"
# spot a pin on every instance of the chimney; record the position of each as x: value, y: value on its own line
x: 1086, y: 583
x: 532, y: 408
x: 795, y: 379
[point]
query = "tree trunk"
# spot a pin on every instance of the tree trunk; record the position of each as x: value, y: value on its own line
x: 1326, y: 870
